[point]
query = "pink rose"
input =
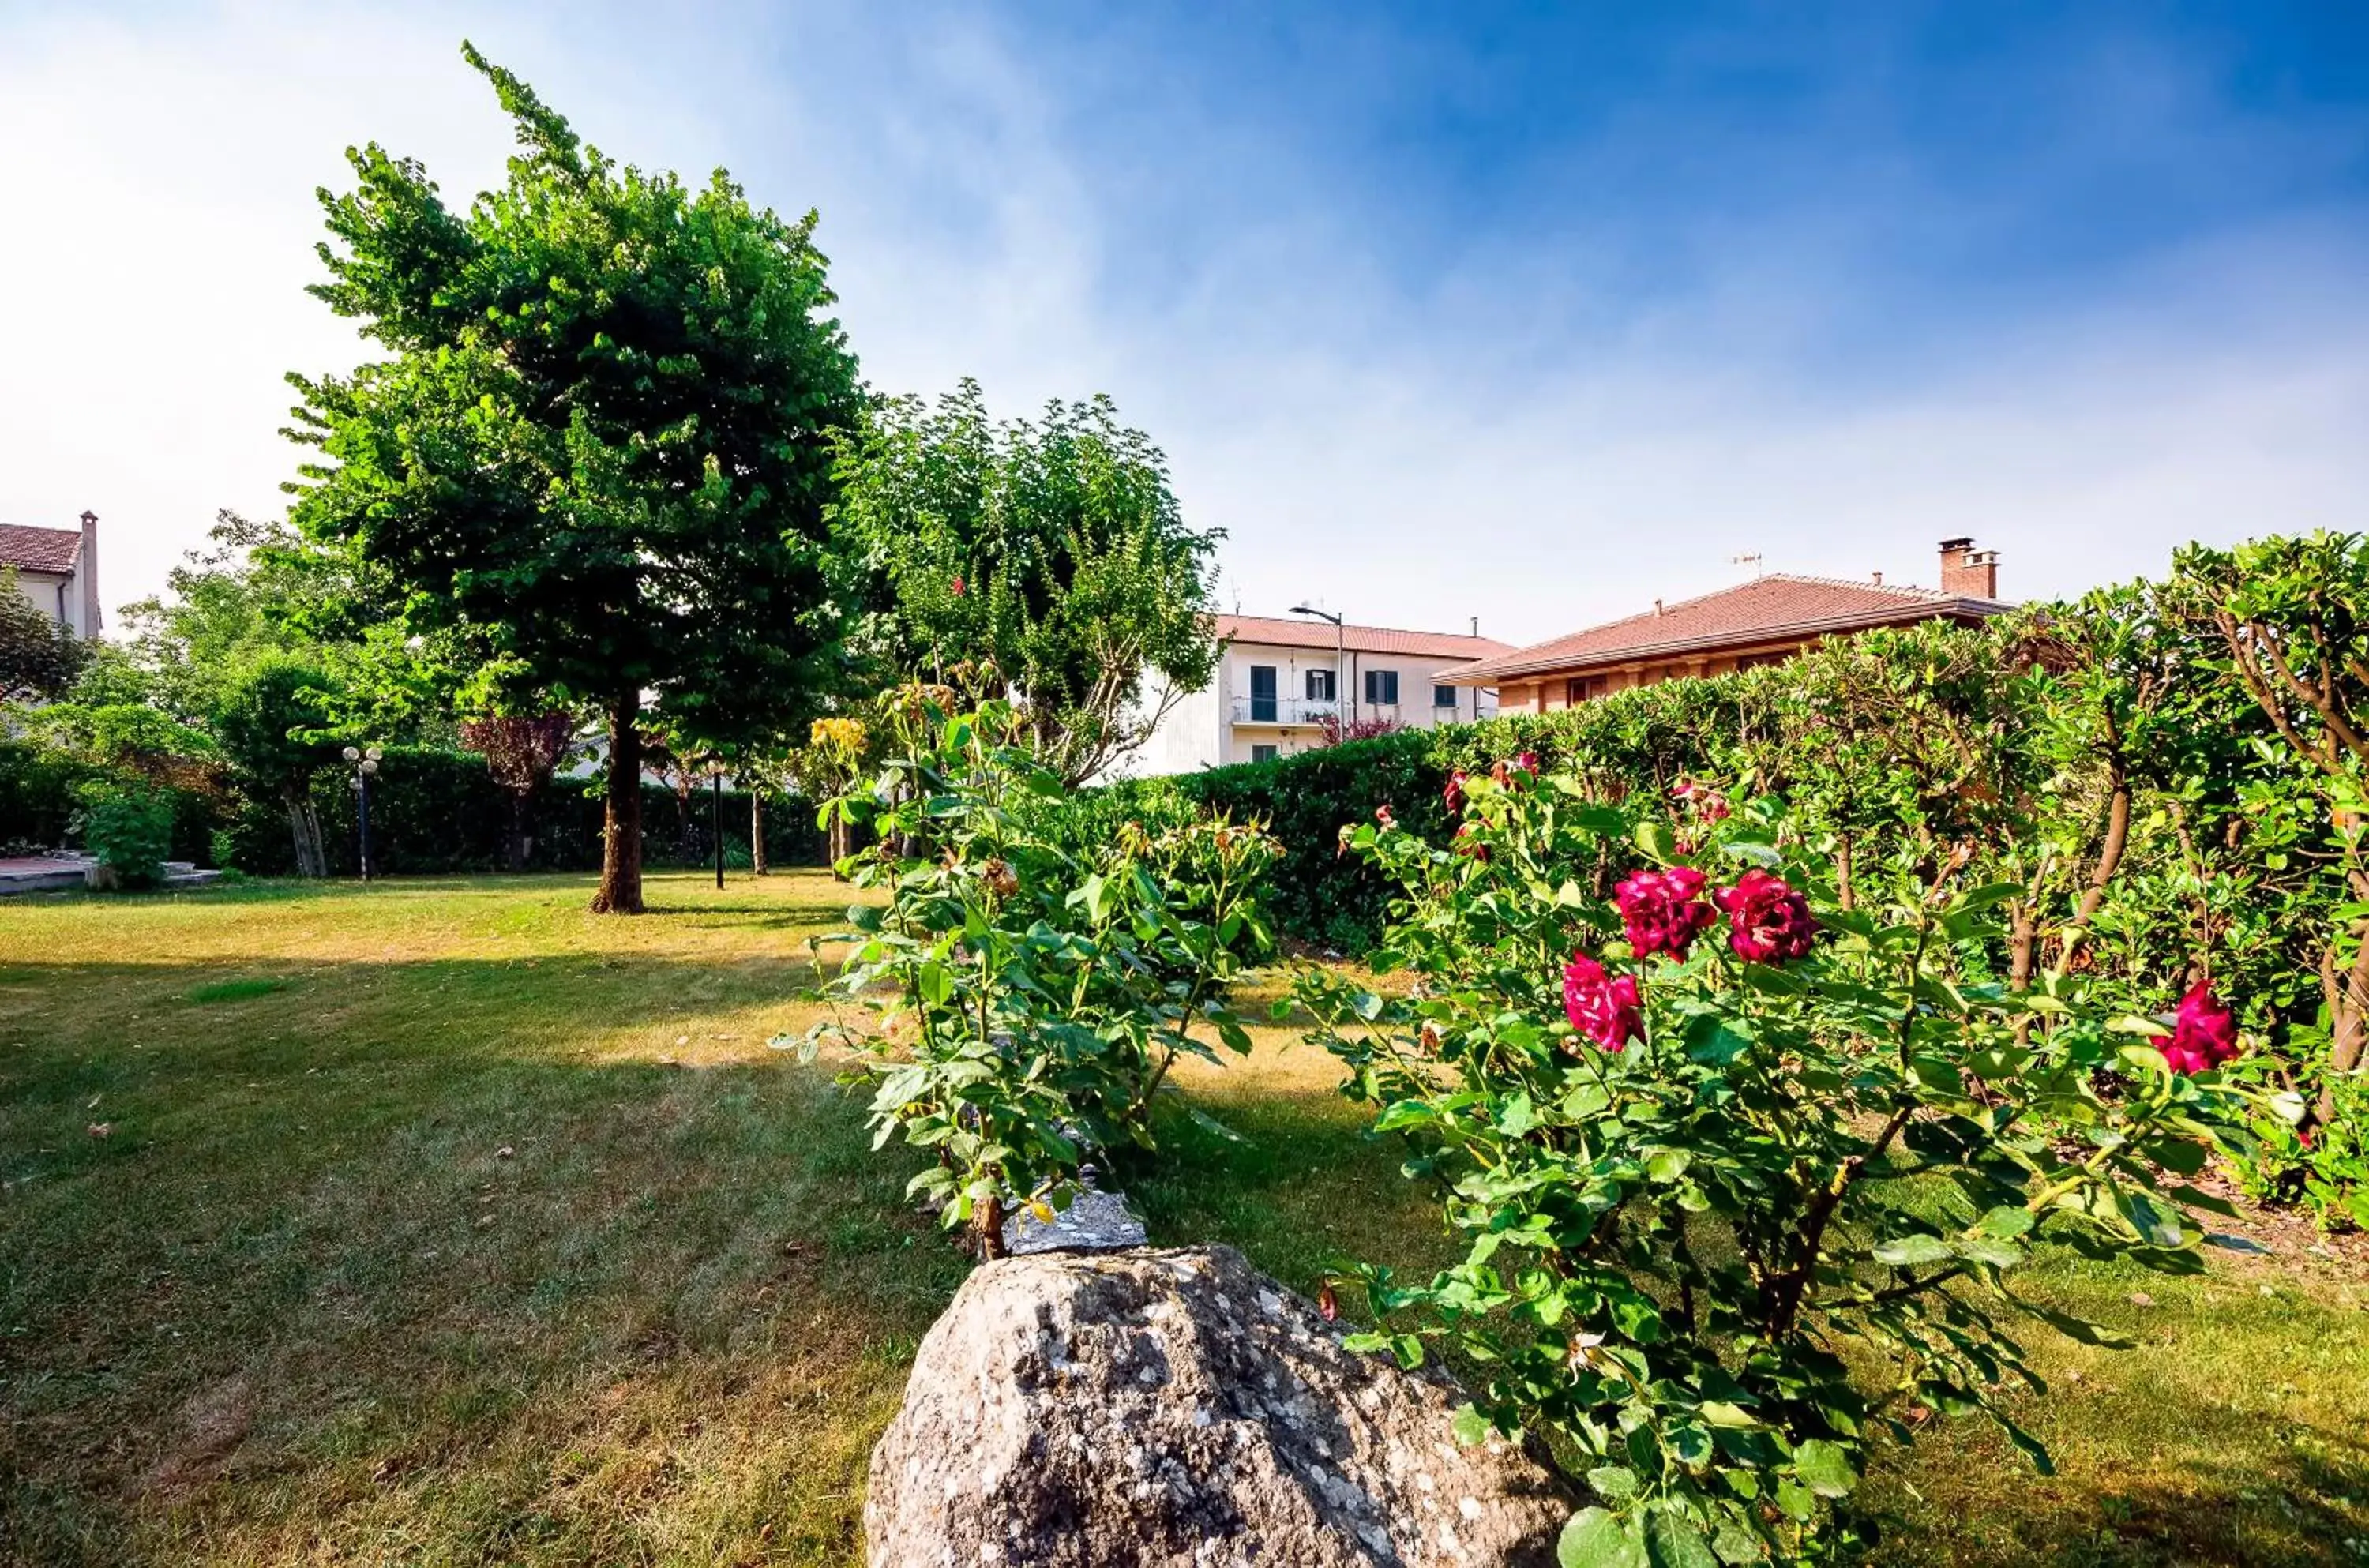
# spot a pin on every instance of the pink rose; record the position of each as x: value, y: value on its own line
x: 1382, y: 814
x: 1600, y: 1005
x: 1664, y: 910
x: 1768, y: 921
x: 2203, y: 1033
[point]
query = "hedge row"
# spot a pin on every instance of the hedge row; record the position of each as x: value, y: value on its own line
x: 431, y: 811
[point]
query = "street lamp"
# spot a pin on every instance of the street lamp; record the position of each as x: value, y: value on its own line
x: 365, y: 764
x: 1340, y: 670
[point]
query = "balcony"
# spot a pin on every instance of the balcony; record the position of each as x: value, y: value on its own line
x: 1282, y: 711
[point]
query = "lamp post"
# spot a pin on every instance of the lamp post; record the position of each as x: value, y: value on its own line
x: 365, y: 764
x: 715, y: 825
x: 1340, y: 670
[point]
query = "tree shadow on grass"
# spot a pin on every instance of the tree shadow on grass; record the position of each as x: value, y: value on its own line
x: 483, y: 1309
x: 2305, y: 1500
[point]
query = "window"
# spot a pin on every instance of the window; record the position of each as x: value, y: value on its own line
x: 1263, y: 753
x: 1443, y: 697
x: 1262, y: 694
x: 1383, y: 687
x: 1320, y: 686
x: 1585, y: 689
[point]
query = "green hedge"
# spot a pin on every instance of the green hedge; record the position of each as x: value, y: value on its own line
x: 40, y: 800
x: 434, y: 811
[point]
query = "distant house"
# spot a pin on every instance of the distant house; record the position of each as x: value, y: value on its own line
x: 1765, y: 621
x: 1281, y: 682
x: 57, y: 569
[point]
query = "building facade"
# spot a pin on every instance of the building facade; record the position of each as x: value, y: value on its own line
x: 1281, y: 684
x: 57, y: 569
x: 1765, y: 621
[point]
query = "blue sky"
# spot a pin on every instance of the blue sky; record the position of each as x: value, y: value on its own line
x: 1527, y: 313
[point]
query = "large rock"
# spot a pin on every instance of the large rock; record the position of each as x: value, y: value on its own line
x: 1176, y: 1407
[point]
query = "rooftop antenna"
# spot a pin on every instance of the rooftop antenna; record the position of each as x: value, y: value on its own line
x: 1752, y: 560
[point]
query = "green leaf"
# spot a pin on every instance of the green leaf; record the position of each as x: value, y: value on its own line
x: 2128, y: 1025
x: 1593, y: 1539
x: 1614, y: 1483
x: 1825, y: 1468
x: 1736, y: 1546
x: 1690, y: 1443
x: 1719, y: 1413
x: 1674, y: 1541
x: 1655, y: 840
x: 1904, y: 1251
x: 1716, y: 1041
x: 2032, y: 1448
x: 1667, y: 1164
x: 1470, y: 1426
x: 2006, y: 1223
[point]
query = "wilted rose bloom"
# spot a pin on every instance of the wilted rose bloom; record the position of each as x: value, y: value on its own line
x: 1601, y: 1005
x: 1768, y: 921
x: 1465, y: 844
x: 1527, y: 763
x: 1664, y: 910
x: 2203, y: 1033
x: 1002, y: 880
x: 1453, y: 795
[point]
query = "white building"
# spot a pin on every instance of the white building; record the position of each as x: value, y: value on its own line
x: 1280, y: 682
x: 57, y: 569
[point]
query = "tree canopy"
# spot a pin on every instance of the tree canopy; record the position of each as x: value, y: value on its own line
x: 599, y: 444
x: 1053, y: 550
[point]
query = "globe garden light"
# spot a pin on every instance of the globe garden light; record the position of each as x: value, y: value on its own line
x: 352, y: 755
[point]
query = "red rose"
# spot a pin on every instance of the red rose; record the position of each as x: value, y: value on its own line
x: 1600, y: 1005
x: 1382, y: 814
x: 958, y: 588
x: 1465, y: 844
x: 2203, y: 1033
x: 1768, y: 921
x: 1662, y: 910
x: 1453, y: 795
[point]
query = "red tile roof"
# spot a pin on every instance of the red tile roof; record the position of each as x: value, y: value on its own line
x: 40, y: 549
x: 1275, y: 632
x: 1769, y: 609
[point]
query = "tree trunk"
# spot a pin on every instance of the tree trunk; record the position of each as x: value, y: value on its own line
x: 518, y: 831
x: 304, y: 829
x: 840, y: 845
x: 621, y: 829
x: 757, y: 828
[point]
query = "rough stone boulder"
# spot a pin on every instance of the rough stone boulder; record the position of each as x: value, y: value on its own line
x: 1176, y: 1407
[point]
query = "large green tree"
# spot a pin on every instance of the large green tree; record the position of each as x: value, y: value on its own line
x: 1052, y: 549
x: 601, y: 441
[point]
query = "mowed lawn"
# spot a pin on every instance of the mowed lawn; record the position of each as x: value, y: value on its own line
x: 441, y: 1222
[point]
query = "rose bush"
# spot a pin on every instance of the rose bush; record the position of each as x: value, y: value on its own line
x: 1027, y: 1002
x: 1738, y: 1211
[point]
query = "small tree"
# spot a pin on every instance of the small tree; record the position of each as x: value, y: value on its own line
x: 1052, y: 551
x: 1031, y: 1001
x: 838, y: 752
x: 599, y: 442
x: 275, y: 725
x: 520, y: 754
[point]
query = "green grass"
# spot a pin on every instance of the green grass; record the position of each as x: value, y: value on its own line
x: 440, y: 1223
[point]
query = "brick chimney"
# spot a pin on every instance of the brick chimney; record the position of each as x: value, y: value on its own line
x: 86, y: 574
x: 1967, y: 572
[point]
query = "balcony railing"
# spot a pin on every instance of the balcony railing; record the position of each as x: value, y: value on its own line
x: 1282, y: 710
